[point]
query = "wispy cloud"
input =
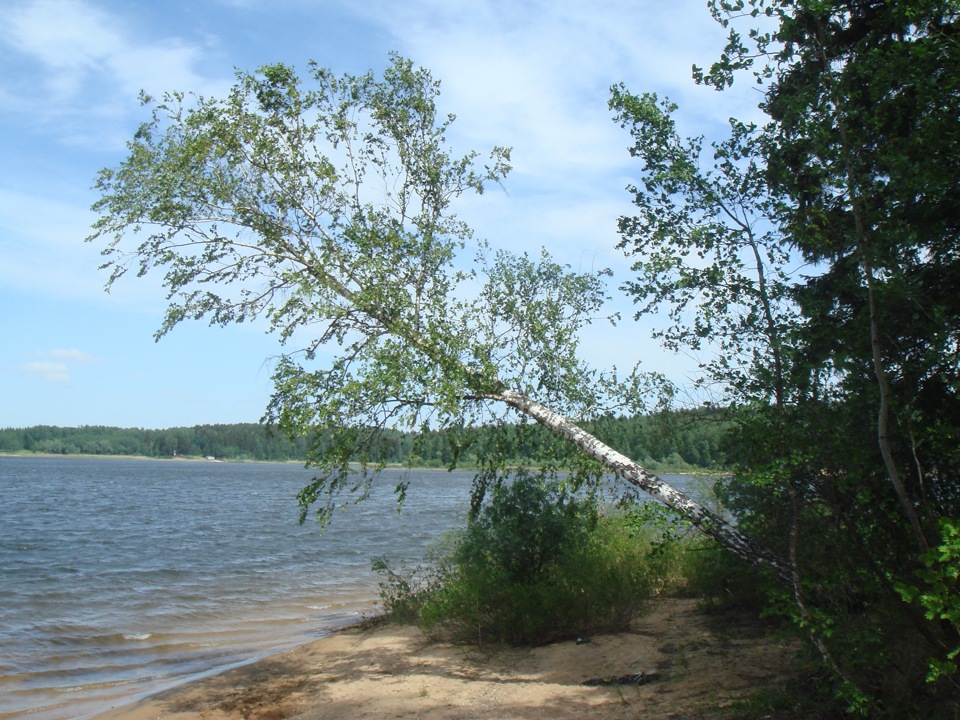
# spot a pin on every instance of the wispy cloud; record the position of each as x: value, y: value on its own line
x: 538, y: 73
x: 536, y: 76
x: 73, y: 355
x: 56, y: 365
x: 68, y: 38
x: 78, y: 61
x: 47, y: 371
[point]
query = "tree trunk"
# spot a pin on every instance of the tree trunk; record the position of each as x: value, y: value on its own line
x: 623, y: 467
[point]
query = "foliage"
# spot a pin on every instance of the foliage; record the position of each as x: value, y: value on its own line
x: 403, y: 589
x: 938, y: 593
x: 849, y: 467
x: 324, y: 207
x: 241, y: 441
x: 863, y: 101
x: 534, y: 565
x: 537, y: 565
x: 683, y: 562
x: 706, y: 250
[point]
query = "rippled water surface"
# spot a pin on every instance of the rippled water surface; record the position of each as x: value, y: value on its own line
x: 118, y: 577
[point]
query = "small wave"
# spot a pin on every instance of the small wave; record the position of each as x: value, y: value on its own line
x: 137, y: 636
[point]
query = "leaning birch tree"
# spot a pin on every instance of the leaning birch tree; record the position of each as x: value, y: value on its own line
x: 325, y: 208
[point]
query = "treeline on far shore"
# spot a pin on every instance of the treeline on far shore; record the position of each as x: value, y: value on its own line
x: 676, y: 440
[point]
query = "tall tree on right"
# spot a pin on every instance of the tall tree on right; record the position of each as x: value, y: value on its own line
x: 862, y: 153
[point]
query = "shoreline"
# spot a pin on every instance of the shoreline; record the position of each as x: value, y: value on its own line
x: 92, y: 699
x: 697, y: 472
x: 107, y: 707
x: 695, y: 664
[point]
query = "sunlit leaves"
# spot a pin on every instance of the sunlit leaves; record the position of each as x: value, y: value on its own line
x: 322, y: 207
x: 706, y: 249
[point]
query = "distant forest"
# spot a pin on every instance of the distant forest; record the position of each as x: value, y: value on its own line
x: 682, y: 439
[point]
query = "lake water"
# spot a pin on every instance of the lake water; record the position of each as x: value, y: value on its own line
x: 121, y: 577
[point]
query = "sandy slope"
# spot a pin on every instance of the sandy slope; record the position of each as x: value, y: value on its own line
x: 394, y: 672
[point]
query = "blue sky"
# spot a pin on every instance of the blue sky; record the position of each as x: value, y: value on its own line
x: 530, y: 74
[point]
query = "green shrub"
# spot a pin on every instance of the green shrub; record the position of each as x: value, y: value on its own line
x: 403, y: 590
x: 534, y: 565
x: 937, y: 592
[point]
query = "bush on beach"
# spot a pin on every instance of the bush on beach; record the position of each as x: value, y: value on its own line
x: 534, y: 565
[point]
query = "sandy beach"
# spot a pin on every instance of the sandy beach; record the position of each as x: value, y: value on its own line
x: 693, y: 667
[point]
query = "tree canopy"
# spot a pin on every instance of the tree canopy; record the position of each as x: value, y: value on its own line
x: 860, y: 163
x: 325, y: 207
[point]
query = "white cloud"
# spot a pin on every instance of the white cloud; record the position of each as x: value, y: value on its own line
x: 47, y: 371
x: 84, y: 64
x: 545, y: 66
x: 56, y: 365
x: 66, y: 36
x: 73, y: 355
x: 535, y: 76
x: 161, y: 66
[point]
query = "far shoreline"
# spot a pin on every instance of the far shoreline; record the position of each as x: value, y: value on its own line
x: 178, y: 458
x: 691, y: 472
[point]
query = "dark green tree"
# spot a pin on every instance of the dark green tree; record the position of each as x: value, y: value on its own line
x: 861, y: 158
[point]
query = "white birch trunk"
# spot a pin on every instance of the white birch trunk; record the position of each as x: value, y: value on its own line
x: 700, y: 517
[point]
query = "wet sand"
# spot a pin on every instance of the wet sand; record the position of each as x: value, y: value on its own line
x: 694, y: 666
